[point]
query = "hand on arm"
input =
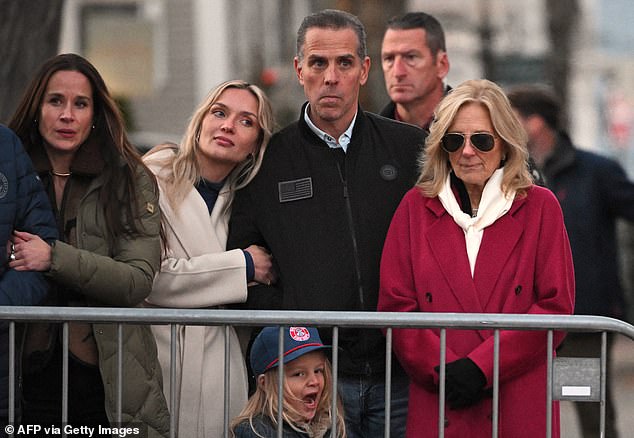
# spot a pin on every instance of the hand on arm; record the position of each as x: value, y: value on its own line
x: 263, y: 263
x: 31, y: 252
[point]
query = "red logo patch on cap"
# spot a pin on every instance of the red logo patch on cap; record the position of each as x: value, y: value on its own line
x: 299, y: 334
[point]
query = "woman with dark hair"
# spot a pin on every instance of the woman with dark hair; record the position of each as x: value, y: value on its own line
x: 500, y: 248
x: 106, y: 204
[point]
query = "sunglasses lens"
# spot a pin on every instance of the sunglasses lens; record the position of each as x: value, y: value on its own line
x: 452, y: 142
x: 482, y: 141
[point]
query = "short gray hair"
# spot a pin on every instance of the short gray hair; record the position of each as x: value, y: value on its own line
x: 336, y: 20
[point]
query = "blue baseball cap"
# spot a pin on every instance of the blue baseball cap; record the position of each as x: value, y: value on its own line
x: 297, y: 342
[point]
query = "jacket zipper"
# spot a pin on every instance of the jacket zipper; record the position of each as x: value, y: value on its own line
x: 355, y: 248
x: 353, y: 235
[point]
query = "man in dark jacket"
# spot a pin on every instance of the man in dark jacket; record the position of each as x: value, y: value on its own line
x: 594, y: 192
x: 322, y: 203
x: 24, y: 206
x: 415, y: 64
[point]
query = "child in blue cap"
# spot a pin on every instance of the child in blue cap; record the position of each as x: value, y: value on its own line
x: 307, y: 387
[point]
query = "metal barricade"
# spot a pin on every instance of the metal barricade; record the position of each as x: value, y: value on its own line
x: 567, y: 379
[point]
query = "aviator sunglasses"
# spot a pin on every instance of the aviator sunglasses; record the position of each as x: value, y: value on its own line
x: 452, y: 141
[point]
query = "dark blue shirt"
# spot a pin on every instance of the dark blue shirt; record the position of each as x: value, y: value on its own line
x: 209, y: 192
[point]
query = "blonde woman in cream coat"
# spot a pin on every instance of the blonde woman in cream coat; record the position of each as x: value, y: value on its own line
x: 221, y: 151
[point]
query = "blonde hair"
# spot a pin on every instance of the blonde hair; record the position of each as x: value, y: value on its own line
x: 264, y: 402
x: 434, y: 161
x: 185, y: 167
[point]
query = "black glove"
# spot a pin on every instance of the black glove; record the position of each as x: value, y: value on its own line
x: 464, y: 383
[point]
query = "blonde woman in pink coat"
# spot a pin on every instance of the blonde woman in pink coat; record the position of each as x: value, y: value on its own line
x: 475, y: 235
x: 221, y: 152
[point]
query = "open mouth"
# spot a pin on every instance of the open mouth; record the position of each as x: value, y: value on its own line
x: 311, y: 401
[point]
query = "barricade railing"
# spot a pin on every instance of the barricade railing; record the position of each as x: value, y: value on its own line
x: 556, y: 386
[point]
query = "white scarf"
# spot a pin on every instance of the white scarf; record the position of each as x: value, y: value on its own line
x: 493, y: 205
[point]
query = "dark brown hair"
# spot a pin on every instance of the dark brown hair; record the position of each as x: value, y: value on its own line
x: 529, y: 100
x: 435, y: 36
x: 120, y: 208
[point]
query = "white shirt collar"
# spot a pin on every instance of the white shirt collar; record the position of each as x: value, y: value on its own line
x: 342, y: 142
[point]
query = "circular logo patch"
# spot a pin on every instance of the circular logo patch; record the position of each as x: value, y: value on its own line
x: 299, y: 334
x: 388, y: 172
x: 4, y: 185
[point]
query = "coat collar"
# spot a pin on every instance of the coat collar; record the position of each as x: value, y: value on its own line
x: 307, y: 132
x: 191, y: 214
x: 444, y: 236
x: 88, y: 159
x: 563, y: 156
x: 390, y: 112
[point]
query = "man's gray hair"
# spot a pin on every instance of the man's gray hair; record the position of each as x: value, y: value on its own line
x: 332, y: 19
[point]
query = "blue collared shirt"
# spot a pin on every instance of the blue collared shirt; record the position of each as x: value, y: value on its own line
x: 342, y: 142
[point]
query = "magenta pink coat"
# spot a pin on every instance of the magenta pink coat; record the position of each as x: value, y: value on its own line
x: 524, y: 265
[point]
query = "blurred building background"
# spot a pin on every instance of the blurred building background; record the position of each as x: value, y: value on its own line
x: 160, y: 57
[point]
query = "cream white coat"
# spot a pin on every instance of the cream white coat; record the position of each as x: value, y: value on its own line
x: 197, y: 272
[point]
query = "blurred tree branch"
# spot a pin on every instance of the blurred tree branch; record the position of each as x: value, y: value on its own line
x: 29, y: 32
x: 562, y: 16
x: 374, y: 14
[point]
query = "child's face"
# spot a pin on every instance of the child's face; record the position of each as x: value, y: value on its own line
x: 305, y: 379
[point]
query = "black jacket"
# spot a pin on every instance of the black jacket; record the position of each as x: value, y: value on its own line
x: 324, y: 215
x: 265, y: 428
x: 593, y: 191
x: 389, y: 110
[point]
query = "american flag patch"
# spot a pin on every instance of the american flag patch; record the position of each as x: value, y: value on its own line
x: 295, y: 190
